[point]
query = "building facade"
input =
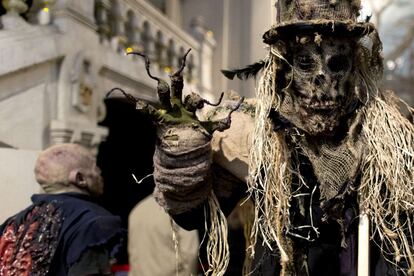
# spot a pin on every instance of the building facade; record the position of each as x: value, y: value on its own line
x: 59, y: 58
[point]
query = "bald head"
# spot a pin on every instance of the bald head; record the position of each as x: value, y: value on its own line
x: 68, y: 167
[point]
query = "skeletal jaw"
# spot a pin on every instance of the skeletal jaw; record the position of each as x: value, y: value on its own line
x: 314, y: 104
x: 320, y: 93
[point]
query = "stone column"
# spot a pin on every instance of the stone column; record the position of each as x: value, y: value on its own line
x: 173, y: 11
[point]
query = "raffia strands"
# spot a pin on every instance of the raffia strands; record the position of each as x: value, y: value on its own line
x: 269, y: 170
x: 387, y: 187
x: 218, y: 254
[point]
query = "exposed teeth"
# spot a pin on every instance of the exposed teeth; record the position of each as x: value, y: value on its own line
x: 321, y: 105
x: 312, y: 103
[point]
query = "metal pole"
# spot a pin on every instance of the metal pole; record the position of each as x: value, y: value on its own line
x: 363, y: 245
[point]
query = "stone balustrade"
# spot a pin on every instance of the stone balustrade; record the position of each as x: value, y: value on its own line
x: 126, y: 25
x: 64, y: 55
x: 38, y: 13
x: 136, y: 26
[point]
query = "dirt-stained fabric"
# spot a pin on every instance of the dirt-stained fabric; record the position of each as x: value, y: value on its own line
x: 182, y: 162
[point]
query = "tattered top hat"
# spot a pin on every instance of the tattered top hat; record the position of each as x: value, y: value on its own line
x: 317, y: 16
x: 323, y: 17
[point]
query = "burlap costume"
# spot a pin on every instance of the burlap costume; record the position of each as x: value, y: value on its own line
x: 317, y: 158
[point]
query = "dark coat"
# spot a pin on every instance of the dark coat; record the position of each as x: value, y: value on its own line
x: 55, y: 232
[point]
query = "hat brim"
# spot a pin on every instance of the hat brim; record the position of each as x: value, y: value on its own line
x: 323, y: 27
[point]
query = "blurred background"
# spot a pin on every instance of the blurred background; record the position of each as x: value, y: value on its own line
x: 59, y: 58
x: 395, y: 22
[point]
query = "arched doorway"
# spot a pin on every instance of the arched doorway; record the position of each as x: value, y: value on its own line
x: 127, y: 150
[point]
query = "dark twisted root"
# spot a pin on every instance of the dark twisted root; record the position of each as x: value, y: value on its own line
x: 147, y: 64
x: 183, y: 61
x: 139, y: 104
x: 128, y: 96
x: 163, y: 89
x: 216, y: 104
x: 223, y: 124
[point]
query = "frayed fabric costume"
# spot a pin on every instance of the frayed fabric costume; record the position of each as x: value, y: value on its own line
x: 61, y: 234
x: 324, y: 145
x: 341, y: 147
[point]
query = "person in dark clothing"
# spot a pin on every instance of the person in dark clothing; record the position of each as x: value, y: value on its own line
x: 64, y: 231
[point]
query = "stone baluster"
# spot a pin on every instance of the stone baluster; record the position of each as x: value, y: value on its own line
x: 12, y: 19
x: 102, y: 8
x: 196, y: 69
x: 189, y: 75
x: 118, y: 38
x: 171, y: 55
x: 132, y: 32
x: 44, y: 16
x: 147, y: 39
x: 15, y: 6
x: 179, y: 56
x: 160, y: 50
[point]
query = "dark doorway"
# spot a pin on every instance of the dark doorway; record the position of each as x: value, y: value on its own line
x: 127, y: 150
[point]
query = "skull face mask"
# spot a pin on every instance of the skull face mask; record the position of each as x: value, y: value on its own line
x: 321, y: 86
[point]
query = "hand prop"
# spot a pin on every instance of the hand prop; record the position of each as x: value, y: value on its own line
x: 173, y: 110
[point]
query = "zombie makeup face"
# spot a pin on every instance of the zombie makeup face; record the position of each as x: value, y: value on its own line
x: 68, y: 168
x: 321, y: 86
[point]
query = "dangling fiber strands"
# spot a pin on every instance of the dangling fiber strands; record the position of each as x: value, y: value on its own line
x: 269, y: 170
x: 386, y: 191
x: 218, y: 254
x: 387, y: 187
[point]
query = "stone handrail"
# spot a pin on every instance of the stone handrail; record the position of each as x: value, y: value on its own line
x: 128, y: 25
x: 133, y: 25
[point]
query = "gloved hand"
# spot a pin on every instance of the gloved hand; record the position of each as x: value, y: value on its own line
x: 183, y: 155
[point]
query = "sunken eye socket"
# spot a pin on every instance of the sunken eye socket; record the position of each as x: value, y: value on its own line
x: 338, y: 63
x: 306, y: 63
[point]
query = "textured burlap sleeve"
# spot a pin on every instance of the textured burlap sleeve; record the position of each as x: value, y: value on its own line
x: 182, y: 163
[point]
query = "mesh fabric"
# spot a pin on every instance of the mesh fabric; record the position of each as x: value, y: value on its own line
x: 334, y: 165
